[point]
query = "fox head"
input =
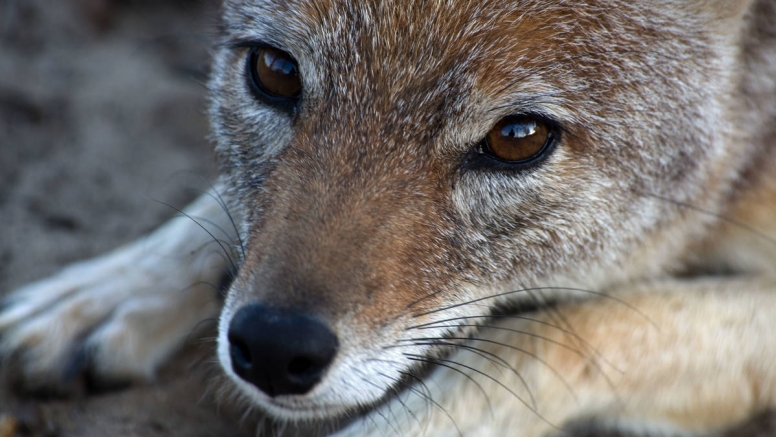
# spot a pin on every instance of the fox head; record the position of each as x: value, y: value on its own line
x: 420, y: 163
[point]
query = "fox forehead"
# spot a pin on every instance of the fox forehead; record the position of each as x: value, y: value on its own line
x: 408, y: 49
x: 441, y: 61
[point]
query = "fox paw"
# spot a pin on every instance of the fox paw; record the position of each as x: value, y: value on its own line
x: 103, y: 322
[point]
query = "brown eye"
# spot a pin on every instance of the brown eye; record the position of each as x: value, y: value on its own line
x: 517, y: 138
x: 275, y: 72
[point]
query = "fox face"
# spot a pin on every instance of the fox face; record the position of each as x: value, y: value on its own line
x: 429, y: 163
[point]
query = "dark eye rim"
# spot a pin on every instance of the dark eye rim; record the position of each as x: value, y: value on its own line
x: 286, y: 104
x: 479, y: 159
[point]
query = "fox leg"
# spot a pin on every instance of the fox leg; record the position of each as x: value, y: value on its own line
x: 117, y: 317
x: 669, y: 358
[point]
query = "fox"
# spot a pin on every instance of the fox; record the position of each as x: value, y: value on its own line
x: 459, y: 218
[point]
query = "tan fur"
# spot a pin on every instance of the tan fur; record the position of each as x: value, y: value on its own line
x: 362, y: 207
x: 708, y: 367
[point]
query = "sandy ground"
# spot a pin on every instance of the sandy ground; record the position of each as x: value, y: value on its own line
x: 101, y: 106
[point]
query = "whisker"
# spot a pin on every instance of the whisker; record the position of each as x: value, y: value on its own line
x: 490, y: 356
x: 425, y: 393
x: 213, y: 193
x: 495, y: 316
x: 227, y: 235
x: 387, y: 405
x: 526, y: 290
x: 509, y: 346
x: 560, y: 319
x: 220, y: 244
x: 374, y: 422
x: 493, y: 358
x: 385, y: 418
x: 576, y: 336
x: 440, y: 362
x: 517, y: 331
x: 397, y: 394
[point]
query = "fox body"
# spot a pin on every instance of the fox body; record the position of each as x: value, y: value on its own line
x: 397, y: 270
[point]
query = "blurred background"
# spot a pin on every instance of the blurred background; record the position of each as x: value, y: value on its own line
x: 101, y: 117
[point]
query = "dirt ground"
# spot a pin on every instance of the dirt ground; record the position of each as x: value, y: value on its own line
x: 101, y: 106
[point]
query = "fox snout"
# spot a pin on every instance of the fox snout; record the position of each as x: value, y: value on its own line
x: 335, y: 257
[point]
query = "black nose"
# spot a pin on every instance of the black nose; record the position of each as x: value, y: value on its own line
x: 279, y: 351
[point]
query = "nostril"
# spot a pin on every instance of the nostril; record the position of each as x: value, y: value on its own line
x: 241, y: 355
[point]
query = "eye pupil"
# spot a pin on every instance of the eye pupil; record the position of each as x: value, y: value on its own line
x: 517, y: 138
x: 275, y: 72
